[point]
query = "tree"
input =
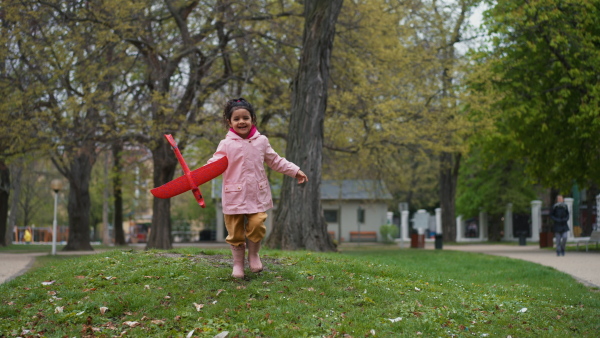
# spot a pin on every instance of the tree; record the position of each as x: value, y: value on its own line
x: 4, y: 196
x: 544, y: 60
x: 398, y: 101
x: 489, y: 183
x: 66, y: 69
x: 299, y: 221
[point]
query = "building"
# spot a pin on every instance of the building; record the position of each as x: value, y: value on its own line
x: 349, y: 206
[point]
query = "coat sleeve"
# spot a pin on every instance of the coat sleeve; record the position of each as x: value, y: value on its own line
x: 220, y: 153
x: 278, y: 163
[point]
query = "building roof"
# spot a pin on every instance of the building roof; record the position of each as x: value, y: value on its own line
x: 335, y: 189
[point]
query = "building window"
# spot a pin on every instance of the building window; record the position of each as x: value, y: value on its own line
x: 331, y: 216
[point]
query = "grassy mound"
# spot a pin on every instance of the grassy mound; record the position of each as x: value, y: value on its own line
x: 188, y: 292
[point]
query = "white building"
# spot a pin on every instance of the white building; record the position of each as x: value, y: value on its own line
x: 344, y: 202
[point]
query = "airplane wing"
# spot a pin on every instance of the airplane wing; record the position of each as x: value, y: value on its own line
x: 199, y: 176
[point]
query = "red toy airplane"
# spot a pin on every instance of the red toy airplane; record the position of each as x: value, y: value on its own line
x: 190, y: 179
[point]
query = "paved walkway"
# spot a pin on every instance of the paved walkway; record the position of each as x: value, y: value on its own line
x: 583, y: 266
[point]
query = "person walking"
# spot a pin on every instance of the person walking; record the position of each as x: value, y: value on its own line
x: 560, y: 216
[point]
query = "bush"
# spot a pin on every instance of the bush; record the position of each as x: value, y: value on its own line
x: 388, y: 232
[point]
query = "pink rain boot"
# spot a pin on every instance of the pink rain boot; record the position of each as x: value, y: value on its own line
x: 238, y: 253
x: 253, y: 257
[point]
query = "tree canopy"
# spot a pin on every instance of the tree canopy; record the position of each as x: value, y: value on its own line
x: 543, y: 62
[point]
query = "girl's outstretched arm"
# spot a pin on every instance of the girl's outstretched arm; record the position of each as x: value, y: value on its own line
x: 301, y: 177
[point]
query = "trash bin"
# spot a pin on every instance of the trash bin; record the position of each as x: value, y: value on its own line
x: 438, y: 241
x: 522, y: 238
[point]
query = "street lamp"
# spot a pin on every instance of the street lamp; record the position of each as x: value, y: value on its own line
x: 55, y: 185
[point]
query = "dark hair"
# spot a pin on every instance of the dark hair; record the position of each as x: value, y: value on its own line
x: 235, y: 104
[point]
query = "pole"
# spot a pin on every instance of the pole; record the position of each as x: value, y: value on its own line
x: 54, y: 223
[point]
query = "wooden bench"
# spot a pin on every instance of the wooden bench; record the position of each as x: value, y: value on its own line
x: 363, y: 236
x: 594, y: 237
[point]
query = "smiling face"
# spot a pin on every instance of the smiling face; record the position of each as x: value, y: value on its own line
x: 241, y: 122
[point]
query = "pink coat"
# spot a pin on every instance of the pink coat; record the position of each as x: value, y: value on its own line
x: 246, y: 189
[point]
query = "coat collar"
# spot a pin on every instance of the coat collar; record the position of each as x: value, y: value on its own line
x: 234, y: 136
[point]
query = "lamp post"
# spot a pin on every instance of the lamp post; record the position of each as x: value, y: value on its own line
x: 55, y: 185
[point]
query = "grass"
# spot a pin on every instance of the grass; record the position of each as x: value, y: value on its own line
x: 188, y: 292
x: 43, y: 248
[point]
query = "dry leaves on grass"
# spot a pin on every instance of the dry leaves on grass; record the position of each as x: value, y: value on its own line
x: 131, y: 324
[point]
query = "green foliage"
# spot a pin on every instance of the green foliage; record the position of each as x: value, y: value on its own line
x: 171, y: 293
x: 488, y: 183
x: 388, y: 232
x: 543, y: 63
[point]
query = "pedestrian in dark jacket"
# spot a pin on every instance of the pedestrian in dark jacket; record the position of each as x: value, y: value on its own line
x: 560, y: 216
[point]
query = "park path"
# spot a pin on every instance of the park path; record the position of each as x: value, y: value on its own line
x: 583, y: 266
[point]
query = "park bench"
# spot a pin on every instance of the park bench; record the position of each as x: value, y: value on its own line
x: 363, y: 236
x: 594, y: 237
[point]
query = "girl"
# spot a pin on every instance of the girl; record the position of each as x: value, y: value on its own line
x: 246, y: 194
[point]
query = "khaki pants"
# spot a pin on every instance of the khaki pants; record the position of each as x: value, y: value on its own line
x: 238, y: 229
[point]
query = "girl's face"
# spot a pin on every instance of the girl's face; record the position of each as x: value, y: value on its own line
x: 241, y: 122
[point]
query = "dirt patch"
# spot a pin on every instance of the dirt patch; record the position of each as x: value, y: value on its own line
x: 219, y: 260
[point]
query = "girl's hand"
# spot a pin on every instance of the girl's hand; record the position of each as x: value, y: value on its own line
x: 301, y: 177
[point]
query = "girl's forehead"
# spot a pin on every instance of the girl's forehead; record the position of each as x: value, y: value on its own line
x: 241, y: 112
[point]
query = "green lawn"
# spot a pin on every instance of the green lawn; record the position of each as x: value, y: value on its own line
x: 42, y: 248
x: 361, y: 292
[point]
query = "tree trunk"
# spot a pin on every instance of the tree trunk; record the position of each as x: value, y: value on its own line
x: 79, y: 204
x: 591, y: 193
x: 449, y: 165
x: 4, y: 197
x: 164, y: 163
x: 16, y: 168
x: 119, y: 234
x: 299, y: 221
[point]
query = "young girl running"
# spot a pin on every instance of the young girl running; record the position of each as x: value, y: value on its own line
x: 246, y: 194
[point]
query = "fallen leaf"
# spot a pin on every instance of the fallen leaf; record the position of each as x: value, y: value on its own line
x: 198, y: 306
x: 393, y: 320
x: 59, y: 309
x: 523, y: 310
x: 52, y: 293
x: 222, y: 334
x: 417, y: 289
x: 146, y: 287
x: 103, y: 309
x: 48, y: 282
x: 190, y: 334
x: 158, y: 322
x: 372, y: 332
x: 219, y: 291
x: 131, y: 324
x: 80, y: 277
